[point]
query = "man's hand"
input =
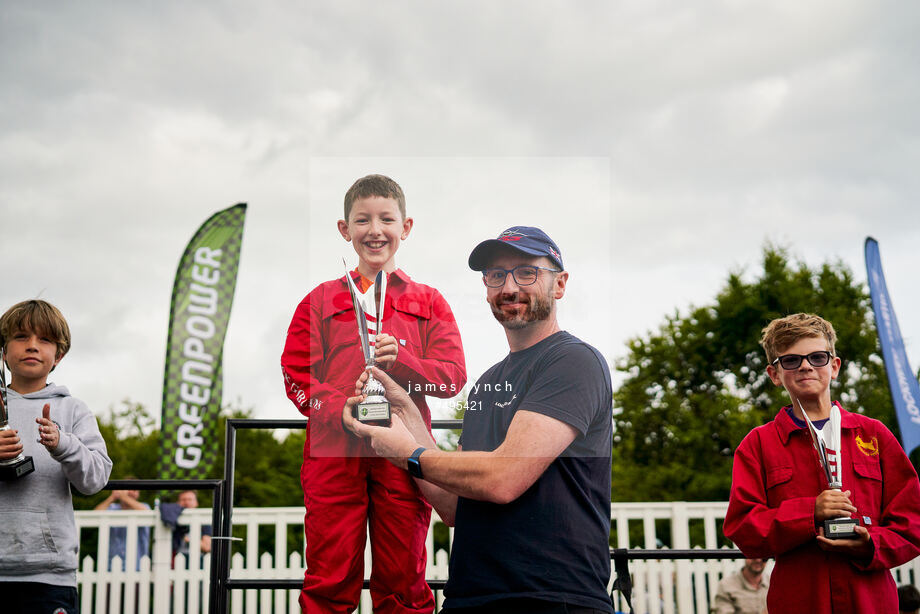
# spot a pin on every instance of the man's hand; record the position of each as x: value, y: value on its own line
x: 400, y: 403
x: 386, y: 347
x: 394, y: 443
x: 833, y: 504
x: 10, y: 445
x: 859, y: 547
x: 48, y: 433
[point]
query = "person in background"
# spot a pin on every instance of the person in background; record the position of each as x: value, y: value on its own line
x: 908, y: 599
x: 169, y: 513
x: 743, y: 592
x: 118, y: 536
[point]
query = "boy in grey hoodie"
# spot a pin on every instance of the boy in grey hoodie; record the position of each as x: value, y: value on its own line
x: 38, y: 536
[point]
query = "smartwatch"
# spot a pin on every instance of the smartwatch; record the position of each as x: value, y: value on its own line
x: 415, y: 466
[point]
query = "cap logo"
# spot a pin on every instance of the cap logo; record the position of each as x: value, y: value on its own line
x: 511, y: 235
x: 554, y: 253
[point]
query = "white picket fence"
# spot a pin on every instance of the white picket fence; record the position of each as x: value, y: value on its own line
x: 662, y: 586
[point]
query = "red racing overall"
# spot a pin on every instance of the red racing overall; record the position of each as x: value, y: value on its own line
x: 771, y: 513
x: 346, y: 487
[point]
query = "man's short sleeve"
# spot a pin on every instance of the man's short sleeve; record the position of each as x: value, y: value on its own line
x: 571, y: 384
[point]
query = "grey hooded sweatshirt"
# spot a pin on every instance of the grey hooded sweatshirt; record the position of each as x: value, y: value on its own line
x: 38, y: 533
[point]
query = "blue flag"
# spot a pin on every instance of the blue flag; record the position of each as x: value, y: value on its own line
x: 905, y: 390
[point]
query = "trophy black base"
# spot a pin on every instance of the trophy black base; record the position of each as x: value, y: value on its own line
x: 840, y: 528
x: 375, y: 413
x: 17, y: 469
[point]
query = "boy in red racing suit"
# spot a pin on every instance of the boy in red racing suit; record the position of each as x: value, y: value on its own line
x: 780, y: 496
x: 346, y: 487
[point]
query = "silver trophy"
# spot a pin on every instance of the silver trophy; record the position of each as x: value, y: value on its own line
x: 375, y: 409
x: 11, y: 468
x: 826, y: 438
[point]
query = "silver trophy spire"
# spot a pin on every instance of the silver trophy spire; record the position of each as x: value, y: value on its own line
x: 375, y: 409
x: 827, y: 442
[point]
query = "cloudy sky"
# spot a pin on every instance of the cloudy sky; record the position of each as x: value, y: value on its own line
x: 661, y: 143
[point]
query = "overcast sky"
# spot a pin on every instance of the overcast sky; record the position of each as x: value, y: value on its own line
x: 660, y: 143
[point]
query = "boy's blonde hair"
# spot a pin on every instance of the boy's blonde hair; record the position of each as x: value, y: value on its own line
x: 375, y: 185
x: 782, y: 333
x: 39, y: 317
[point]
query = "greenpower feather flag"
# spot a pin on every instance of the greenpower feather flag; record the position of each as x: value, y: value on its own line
x: 198, y: 316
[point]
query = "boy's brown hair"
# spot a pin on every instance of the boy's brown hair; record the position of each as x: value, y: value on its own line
x: 39, y: 317
x: 782, y: 333
x: 375, y: 185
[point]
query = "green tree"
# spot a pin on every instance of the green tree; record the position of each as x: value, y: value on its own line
x: 697, y: 385
x: 132, y: 442
x: 267, y: 468
x: 450, y: 440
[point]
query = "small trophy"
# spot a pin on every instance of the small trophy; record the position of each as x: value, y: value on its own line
x: 375, y: 409
x: 827, y: 443
x: 11, y: 468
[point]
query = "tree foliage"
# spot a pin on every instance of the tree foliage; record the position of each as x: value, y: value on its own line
x: 131, y: 437
x: 696, y: 386
x: 267, y: 468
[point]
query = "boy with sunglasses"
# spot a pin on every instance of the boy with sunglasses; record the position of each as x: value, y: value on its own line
x: 780, y: 495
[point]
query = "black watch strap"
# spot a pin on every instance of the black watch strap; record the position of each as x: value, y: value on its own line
x: 415, y: 465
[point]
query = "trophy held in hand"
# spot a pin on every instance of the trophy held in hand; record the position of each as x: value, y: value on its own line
x: 827, y: 443
x: 375, y: 409
x: 11, y: 468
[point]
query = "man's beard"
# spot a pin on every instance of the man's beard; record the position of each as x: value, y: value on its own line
x: 538, y: 308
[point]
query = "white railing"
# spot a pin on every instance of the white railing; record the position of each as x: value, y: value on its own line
x: 157, y: 586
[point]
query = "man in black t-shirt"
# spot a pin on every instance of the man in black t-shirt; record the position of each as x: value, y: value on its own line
x: 529, y: 493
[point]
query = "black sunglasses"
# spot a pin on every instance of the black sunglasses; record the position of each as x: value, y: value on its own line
x: 793, y: 361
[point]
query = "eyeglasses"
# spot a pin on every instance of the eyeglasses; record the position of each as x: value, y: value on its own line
x: 524, y: 275
x: 794, y: 361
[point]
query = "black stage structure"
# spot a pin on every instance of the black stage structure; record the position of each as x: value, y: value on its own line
x: 222, y: 512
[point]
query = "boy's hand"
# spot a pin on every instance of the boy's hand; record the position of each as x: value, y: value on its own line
x: 48, y: 433
x: 359, y: 385
x: 386, y: 347
x: 833, y: 504
x: 859, y: 547
x: 10, y: 445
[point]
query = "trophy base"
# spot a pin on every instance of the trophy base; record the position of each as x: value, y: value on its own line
x: 375, y: 413
x: 840, y: 528
x: 16, y: 469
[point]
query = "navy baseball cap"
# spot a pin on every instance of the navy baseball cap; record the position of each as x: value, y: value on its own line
x: 526, y: 239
